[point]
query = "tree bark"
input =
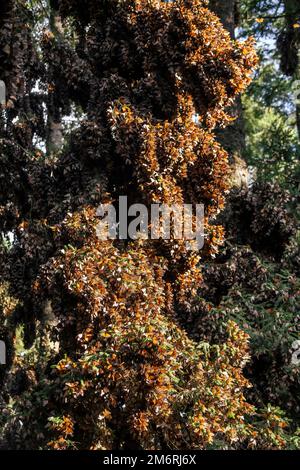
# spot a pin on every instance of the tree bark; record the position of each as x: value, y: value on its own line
x: 55, y: 135
x: 289, y: 47
x: 226, y: 11
x: 233, y: 138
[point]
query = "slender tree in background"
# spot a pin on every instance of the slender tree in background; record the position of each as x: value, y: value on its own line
x: 233, y: 137
x: 273, y: 145
x: 107, y: 360
x: 289, y: 45
x: 277, y: 24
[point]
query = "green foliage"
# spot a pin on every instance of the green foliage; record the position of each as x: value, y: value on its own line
x: 270, y: 314
x: 272, y: 143
x: 270, y: 105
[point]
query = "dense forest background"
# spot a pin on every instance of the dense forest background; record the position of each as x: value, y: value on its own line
x: 187, y: 352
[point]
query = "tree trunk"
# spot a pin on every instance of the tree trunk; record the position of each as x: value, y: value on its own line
x: 289, y: 47
x: 55, y: 134
x: 233, y: 138
x: 226, y: 11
